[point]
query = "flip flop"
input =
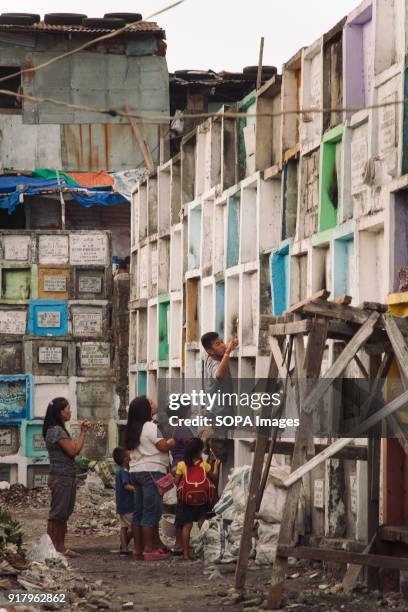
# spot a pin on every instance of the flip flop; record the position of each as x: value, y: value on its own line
x: 125, y: 553
x: 137, y: 557
x: 155, y: 555
x: 70, y: 554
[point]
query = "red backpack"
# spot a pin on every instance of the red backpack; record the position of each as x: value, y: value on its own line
x: 195, y: 488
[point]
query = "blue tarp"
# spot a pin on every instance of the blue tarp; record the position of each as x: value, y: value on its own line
x: 13, y: 186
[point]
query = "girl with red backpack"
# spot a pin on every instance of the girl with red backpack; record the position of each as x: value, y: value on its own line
x: 195, y: 490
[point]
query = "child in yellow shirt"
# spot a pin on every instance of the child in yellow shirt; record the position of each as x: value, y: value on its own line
x: 194, y: 478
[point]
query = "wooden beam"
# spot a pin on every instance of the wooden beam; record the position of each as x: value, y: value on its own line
x: 307, y: 364
x: 360, y: 430
x: 278, y: 357
x: 319, y: 295
x: 352, y: 453
x: 374, y: 306
x: 250, y: 510
x: 344, y: 299
x: 400, y: 349
x: 252, y: 501
x: 289, y: 329
x: 349, y: 314
x: 398, y: 344
x: 260, y: 62
x: 361, y: 366
x: 344, y: 556
x: 341, y: 362
x: 147, y: 156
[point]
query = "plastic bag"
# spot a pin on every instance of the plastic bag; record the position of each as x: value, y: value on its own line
x: 233, y: 498
x: 106, y: 472
x: 267, y: 543
x: 44, y: 549
x: 213, y: 540
x: 170, y: 498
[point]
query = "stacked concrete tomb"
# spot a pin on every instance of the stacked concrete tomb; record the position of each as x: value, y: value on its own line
x: 56, y: 340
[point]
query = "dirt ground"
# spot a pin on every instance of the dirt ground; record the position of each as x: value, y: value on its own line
x: 109, y: 581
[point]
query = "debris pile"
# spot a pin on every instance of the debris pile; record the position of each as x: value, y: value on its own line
x: 95, y: 509
x: 18, y: 496
x: 220, y: 537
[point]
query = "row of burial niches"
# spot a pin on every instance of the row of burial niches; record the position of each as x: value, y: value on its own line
x: 23, y: 403
x: 55, y: 333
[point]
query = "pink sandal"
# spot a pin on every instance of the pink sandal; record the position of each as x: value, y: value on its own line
x: 155, y: 555
x: 137, y: 556
x: 70, y: 554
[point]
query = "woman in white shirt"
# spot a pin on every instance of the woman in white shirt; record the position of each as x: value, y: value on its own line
x: 149, y: 461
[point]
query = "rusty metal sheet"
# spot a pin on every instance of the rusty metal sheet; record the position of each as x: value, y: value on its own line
x: 102, y: 147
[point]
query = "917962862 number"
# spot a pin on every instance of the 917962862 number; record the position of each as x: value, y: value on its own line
x: 27, y: 597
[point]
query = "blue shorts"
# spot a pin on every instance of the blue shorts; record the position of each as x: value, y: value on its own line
x: 148, y: 501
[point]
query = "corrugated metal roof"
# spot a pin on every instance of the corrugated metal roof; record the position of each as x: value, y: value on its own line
x: 133, y: 28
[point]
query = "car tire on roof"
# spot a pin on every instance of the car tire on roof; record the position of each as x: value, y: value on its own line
x: 267, y: 71
x: 19, y: 18
x: 64, y: 18
x: 102, y: 23
x: 127, y: 17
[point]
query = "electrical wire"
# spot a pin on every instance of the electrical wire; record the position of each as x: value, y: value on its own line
x: 158, y: 119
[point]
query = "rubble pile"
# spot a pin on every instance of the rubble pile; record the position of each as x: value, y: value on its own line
x: 95, y: 509
x: 18, y: 496
x: 56, y: 575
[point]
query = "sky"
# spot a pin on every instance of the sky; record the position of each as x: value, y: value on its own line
x: 221, y: 34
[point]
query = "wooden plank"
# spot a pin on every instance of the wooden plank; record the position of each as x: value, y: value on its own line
x: 353, y: 571
x: 343, y: 299
x: 381, y: 374
x: 360, y: 430
x: 306, y: 364
x: 341, y: 363
x: 373, y: 480
x: 394, y: 533
x: 250, y: 510
x: 278, y: 357
x: 147, y: 156
x: 349, y: 314
x: 289, y: 329
x: 398, y: 344
x: 275, y: 433
x: 361, y: 366
x: 400, y: 349
x: 349, y: 453
x: 319, y: 295
x: 374, y: 306
x: 252, y: 501
x: 260, y: 63
x: 344, y: 556
x: 398, y: 432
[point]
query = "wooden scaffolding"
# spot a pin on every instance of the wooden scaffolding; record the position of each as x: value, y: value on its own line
x: 384, y: 338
